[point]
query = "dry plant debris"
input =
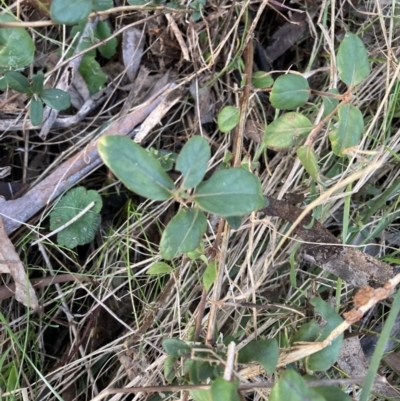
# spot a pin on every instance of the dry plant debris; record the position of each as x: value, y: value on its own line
x: 103, y: 312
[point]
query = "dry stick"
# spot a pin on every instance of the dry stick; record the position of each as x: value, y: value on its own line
x: 368, y: 296
x: 18, y: 211
x: 8, y: 290
x: 104, y: 14
x: 60, y: 122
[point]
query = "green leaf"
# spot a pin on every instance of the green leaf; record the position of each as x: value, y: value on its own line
x: 349, y: 129
x: 200, y: 371
x: 331, y: 393
x: 311, y: 331
x: 183, y: 233
x: 14, y: 56
x: 198, y: 253
x: 12, y: 379
x: 56, y: 98
x: 192, y: 161
x: 209, y: 276
x: 166, y: 159
x: 234, y: 221
x: 92, y: 74
x: 266, y: 352
x: 70, y: 12
x: 289, y: 92
x: 3, y: 83
x: 291, y: 386
x: 197, y: 5
x: 169, y: 368
x: 261, y: 80
x: 36, y: 111
x: 287, y: 131
x: 330, y: 103
x: 309, y: 160
x: 224, y: 390
x: 228, y: 118
x: 17, y: 81
x: 159, y: 268
x: 352, y: 60
x: 102, y: 32
x: 135, y: 167
x: 83, y: 230
x: 102, y: 5
x: 233, y: 192
x: 201, y: 395
x: 37, y: 83
x: 175, y: 347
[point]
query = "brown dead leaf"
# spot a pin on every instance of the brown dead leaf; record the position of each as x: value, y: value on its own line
x: 132, y: 50
x: 254, y: 131
x: 10, y: 263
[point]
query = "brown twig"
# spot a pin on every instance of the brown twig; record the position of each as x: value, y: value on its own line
x: 8, y: 290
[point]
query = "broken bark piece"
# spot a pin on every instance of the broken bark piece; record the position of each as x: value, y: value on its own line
x: 324, y: 250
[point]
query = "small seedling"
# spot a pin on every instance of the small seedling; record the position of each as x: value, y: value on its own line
x: 228, y: 193
x: 83, y: 230
x: 55, y: 98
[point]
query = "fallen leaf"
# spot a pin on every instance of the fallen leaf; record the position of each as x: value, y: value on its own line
x: 132, y: 50
x: 10, y: 263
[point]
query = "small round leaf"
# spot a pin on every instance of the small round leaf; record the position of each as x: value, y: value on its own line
x: 266, y: 352
x: 92, y: 74
x: 83, y: 230
x: 224, y: 390
x: 287, y: 131
x: 70, y: 12
x: 17, y: 81
x: 16, y: 46
x: 192, y: 161
x: 159, y: 268
x: 210, y: 275
x: 352, y: 60
x: 261, y: 80
x: 183, y: 233
x: 228, y: 118
x: 37, y: 83
x: 36, y: 111
x: 102, y: 5
x: 135, y: 167
x: 232, y: 192
x: 349, y: 129
x: 102, y: 32
x: 330, y: 103
x: 56, y: 98
x: 291, y: 386
x: 175, y: 347
x: 289, y: 92
x: 309, y: 160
